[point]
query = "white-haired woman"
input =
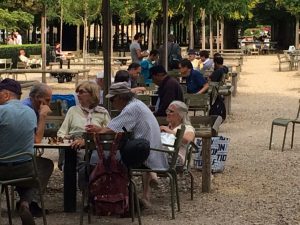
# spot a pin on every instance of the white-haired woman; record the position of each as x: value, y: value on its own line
x: 177, y: 115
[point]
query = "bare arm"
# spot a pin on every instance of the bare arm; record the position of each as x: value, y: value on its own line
x: 141, y: 54
x: 203, y: 89
x: 39, y: 134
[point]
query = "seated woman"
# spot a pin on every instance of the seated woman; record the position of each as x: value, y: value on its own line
x: 29, y: 62
x: 88, y: 112
x: 177, y: 115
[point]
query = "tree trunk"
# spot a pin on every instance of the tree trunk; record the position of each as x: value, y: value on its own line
x: 297, y: 32
x: 78, y: 38
x: 191, y: 26
x: 211, y: 47
x: 218, y: 35
x: 133, y: 29
x: 203, y: 28
x: 150, y: 37
x: 43, y: 40
x: 61, y: 24
x: 222, y: 33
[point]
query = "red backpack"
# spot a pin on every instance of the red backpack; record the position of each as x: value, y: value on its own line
x: 108, y: 183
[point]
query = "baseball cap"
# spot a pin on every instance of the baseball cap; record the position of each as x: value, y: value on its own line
x: 191, y: 52
x: 118, y: 88
x: 11, y: 85
x: 156, y: 70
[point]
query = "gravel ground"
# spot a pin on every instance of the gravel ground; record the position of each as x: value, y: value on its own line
x: 258, y: 186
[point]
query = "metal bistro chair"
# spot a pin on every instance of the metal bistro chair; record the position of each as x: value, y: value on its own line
x: 144, y: 98
x: 107, y: 141
x: 169, y: 172
x: 197, y: 102
x: 19, y: 181
x: 284, y: 122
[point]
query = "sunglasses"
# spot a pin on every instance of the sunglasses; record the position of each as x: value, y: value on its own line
x: 81, y: 91
x: 169, y: 111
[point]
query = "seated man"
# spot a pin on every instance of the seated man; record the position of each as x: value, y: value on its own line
x: 220, y: 70
x: 39, y: 101
x: 17, y: 127
x: 195, y: 82
x: 169, y: 89
x: 207, y: 63
x: 136, y: 117
x: 29, y: 62
x: 124, y: 76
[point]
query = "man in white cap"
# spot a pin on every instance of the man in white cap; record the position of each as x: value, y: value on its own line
x: 100, y: 83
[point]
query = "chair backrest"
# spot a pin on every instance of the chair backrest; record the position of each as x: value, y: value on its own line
x: 55, y: 108
x: 200, y: 121
x: 9, y: 63
x: 144, y: 98
x: 190, y: 149
x: 21, y: 65
x: 2, y: 63
x: 196, y: 101
x: 176, y: 146
x: 53, y: 123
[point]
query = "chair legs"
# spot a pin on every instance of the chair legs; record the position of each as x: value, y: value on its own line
x: 271, y: 136
x: 8, y: 204
x: 284, y: 138
x: 293, y: 132
x: 177, y: 190
x: 134, y: 202
x: 172, y: 195
x: 192, y: 184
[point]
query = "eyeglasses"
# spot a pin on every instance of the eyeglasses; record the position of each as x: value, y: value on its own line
x: 169, y: 111
x: 81, y: 91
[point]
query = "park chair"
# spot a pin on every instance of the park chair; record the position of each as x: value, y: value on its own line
x: 144, y: 98
x: 203, y: 121
x: 106, y: 140
x: 284, y: 122
x: 170, y: 172
x: 18, y: 182
x: 197, y: 102
x: 284, y: 59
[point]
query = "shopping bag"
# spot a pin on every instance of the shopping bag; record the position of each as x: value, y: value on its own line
x: 219, y: 150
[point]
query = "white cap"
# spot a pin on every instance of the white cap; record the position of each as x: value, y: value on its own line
x: 100, y: 75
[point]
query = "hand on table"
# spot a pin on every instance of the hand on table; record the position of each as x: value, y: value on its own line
x: 166, y: 129
x: 78, y: 143
x: 92, y: 128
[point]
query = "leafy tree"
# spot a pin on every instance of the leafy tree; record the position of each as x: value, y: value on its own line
x: 14, y: 20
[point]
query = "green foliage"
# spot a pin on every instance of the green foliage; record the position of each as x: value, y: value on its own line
x: 15, y: 19
x: 293, y: 6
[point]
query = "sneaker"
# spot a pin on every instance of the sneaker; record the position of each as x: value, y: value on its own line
x: 26, y: 216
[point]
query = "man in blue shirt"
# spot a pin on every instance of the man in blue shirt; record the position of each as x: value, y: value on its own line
x: 17, y: 126
x: 195, y: 82
x: 147, y: 64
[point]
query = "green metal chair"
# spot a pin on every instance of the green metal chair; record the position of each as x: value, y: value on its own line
x: 170, y: 172
x: 107, y: 141
x: 197, y: 102
x: 144, y: 98
x: 284, y: 122
x: 18, y: 182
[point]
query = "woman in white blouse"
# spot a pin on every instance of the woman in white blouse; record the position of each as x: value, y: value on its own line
x: 87, y: 112
x: 177, y: 114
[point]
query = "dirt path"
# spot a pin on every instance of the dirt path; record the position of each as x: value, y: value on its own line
x: 258, y: 186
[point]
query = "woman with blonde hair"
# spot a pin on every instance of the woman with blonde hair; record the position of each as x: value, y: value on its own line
x: 177, y: 115
x: 87, y: 112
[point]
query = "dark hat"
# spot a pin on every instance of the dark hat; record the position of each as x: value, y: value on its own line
x: 118, y: 88
x: 191, y: 52
x: 11, y: 85
x: 159, y: 69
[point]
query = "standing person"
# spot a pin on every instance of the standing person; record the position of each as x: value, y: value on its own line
x: 169, y: 89
x: 207, y: 63
x: 147, y: 64
x: 136, y: 117
x: 18, y: 38
x: 39, y: 101
x: 17, y: 126
x: 11, y: 39
x: 195, y: 82
x: 100, y: 83
x: 174, y: 53
x: 135, y: 49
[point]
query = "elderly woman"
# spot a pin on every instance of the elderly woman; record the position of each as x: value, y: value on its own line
x: 88, y: 112
x: 177, y: 114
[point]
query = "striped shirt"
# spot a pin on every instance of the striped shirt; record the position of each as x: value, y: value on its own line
x: 136, y: 117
